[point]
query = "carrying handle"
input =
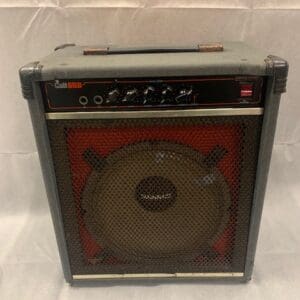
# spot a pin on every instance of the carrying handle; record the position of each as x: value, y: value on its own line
x: 210, y: 47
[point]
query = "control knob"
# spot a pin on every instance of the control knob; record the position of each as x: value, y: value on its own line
x: 149, y: 95
x: 130, y: 96
x: 185, y: 96
x: 166, y: 95
x: 112, y: 97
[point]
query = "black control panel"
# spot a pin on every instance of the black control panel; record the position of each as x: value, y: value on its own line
x: 115, y: 94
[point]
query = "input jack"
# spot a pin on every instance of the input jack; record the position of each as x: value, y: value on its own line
x: 98, y: 99
x: 83, y: 100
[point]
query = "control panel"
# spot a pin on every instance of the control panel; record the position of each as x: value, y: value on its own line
x: 112, y: 94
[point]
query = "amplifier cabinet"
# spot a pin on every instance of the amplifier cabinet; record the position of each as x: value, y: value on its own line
x: 155, y: 160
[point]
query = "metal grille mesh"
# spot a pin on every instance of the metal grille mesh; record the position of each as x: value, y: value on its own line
x: 156, y: 195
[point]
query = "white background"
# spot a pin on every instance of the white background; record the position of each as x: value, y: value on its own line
x: 29, y: 264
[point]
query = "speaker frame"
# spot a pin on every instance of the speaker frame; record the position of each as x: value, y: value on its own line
x: 276, y: 72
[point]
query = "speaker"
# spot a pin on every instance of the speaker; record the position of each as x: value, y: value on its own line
x: 155, y: 160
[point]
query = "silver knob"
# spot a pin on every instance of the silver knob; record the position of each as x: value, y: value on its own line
x: 113, y: 97
x: 149, y: 95
x: 130, y: 96
x: 166, y: 95
x: 184, y: 96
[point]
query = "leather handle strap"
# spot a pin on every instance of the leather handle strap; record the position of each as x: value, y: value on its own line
x: 209, y: 47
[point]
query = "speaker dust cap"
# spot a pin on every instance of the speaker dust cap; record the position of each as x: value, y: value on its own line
x: 155, y: 200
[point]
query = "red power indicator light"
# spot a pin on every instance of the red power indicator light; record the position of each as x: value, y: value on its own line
x: 246, y: 90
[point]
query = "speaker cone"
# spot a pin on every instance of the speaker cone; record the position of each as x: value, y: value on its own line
x: 154, y: 200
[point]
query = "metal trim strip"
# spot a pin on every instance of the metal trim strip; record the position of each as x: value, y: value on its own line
x: 156, y: 275
x: 155, y: 114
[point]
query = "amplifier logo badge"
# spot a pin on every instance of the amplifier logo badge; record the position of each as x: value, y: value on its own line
x: 68, y: 85
x: 74, y: 85
x: 60, y: 85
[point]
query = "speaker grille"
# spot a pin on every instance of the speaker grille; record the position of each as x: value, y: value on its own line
x: 156, y: 195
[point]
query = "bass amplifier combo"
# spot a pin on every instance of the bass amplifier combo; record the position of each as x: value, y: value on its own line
x: 155, y: 160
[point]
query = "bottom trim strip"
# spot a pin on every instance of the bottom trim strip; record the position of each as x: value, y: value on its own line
x: 157, y: 275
